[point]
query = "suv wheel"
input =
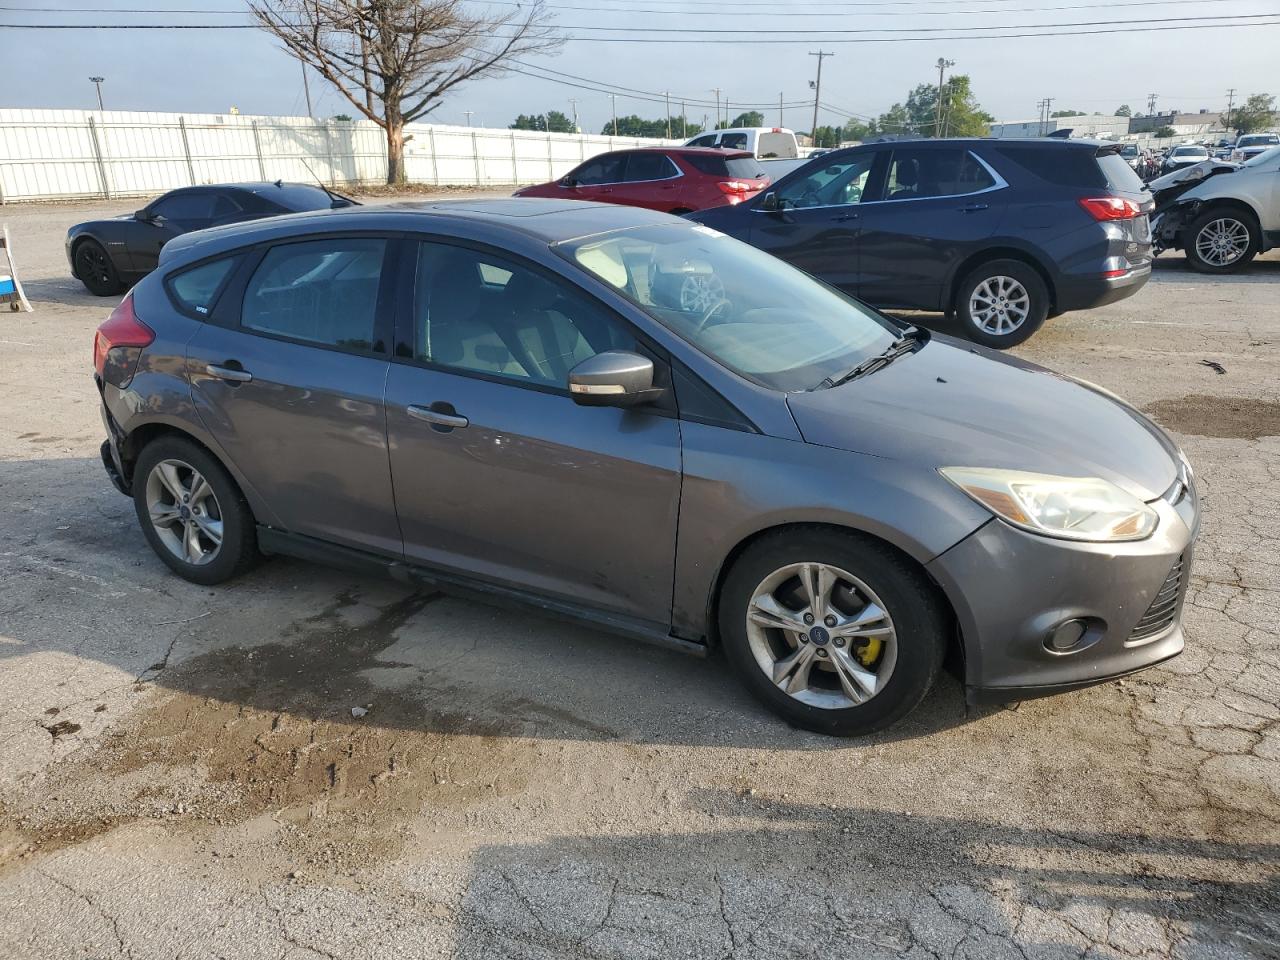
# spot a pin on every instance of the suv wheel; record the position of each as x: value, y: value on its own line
x: 192, y: 512
x: 95, y: 269
x: 1002, y: 303
x: 835, y: 633
x: 1221, y: 241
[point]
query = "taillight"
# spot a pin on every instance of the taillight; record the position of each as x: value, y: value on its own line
x: 121, y: 331
x: 1111, y: 208
x: 734, y: 186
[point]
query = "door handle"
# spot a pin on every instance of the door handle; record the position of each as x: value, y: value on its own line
x: 437, y: 417
x: 228, y: 373
x: 845, y: 217
x: 973, y: 207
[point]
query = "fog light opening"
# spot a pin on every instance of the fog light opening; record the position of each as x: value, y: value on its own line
x: 1067, y: 637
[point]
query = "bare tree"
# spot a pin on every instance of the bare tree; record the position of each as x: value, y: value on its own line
x: 395, y: 59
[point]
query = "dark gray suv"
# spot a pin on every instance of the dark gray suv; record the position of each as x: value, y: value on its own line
x: 624, y: 417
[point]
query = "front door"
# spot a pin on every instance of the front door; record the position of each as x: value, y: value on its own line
x: 818, y: 221
x: 938, y: 205
x: 597, y: 178
x: 289, y: 379
x: 172, y: 215
x: 498, y: 473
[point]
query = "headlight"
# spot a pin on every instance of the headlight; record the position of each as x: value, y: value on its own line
x: 1074, y: 508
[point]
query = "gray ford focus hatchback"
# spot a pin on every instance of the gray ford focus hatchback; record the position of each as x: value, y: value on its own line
x: 633, y: 420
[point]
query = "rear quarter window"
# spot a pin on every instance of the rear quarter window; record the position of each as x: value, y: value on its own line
x: 1063, y: 166
x: 196, y: 290
x: 745, y: 168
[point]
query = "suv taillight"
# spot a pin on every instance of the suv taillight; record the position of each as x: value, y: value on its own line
x: 734, y: 186
x: 1111, y: 208
x: 121, y: 331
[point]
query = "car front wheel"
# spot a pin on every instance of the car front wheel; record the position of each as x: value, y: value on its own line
x: 834, y: 632
x: 95, y: 269
x: 1221, y: 241
x: 1002, y: 303
x: 192, y: 513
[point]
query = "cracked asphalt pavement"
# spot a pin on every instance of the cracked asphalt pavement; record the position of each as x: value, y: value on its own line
x: 181, y: 774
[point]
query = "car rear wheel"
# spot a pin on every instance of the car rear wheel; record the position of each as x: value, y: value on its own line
x: 95, y: 269
x: 835, y: 633
x: 1221, y: 241
x: 1002, y: 303
x: 192, y: 513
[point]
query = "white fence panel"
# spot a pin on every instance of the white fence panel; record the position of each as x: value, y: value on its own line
x: 66, y: 154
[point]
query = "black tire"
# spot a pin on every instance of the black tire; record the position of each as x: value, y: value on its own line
x: 1220, y: 218
x: 918, y: 616
x: 238, y: 550
x: 1037, y: 308
x: 95, y: 269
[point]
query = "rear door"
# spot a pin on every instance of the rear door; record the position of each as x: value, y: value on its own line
x: 649, y: 180
x: 936, y: 206
x: 816, y: 226
x: 288, y: 377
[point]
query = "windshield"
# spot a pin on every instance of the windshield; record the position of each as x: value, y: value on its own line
x: 742, y: 307
x: 1262, y: 159
x: 1190, y: 152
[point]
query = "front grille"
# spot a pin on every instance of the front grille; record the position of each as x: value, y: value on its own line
x: 1164, y: 608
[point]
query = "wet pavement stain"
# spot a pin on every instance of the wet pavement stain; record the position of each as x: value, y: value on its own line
x: 1205, y: 416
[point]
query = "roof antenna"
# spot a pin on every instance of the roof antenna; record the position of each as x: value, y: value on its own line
x: 338, y: 199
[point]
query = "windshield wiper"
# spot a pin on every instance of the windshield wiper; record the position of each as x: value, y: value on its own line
x: 905, y: 343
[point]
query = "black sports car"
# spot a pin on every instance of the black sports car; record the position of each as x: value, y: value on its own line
x: 108, y: 256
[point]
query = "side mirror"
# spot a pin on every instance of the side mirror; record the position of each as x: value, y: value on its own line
x: 568, y: 182
x: 615, y: 378
x: 770, y: 203
x: 143, y: 216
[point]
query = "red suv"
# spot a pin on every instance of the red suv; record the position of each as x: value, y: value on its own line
x: 670, y: 179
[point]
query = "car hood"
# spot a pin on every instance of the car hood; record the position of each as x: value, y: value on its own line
x: 1197, y: 171
x: 954, y: 404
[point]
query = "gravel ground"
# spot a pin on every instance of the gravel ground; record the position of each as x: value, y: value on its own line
x: 181, y: 775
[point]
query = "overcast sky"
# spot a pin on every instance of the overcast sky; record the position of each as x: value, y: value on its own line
x: 212, y: 70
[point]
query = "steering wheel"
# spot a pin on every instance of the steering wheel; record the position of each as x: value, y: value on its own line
x: 711, y: 312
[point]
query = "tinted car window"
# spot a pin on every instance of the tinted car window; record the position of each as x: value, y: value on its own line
x: 185, y: 206
x: 606, y: 169
x: 224, y: 206
x: 482, y: 313
x: 916, y: 174
x: 741, y: 168
x: 705, y: 141
x: 299, y: 197
x: 734, y: 141
x: 649, y: 166
x: 838, y: 182
x: 318, y: 291
x: 196, y: 289
x: 1119, y: 174
x: 1063, y: 166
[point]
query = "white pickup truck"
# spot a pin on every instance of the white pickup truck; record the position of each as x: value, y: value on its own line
x: 775, y: 147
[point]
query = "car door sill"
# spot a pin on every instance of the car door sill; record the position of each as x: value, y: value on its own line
x: 273, y: 541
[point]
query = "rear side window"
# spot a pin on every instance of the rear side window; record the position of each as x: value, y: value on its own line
x: 318, y: 291
x: 649, y: 166
x: 917, y: 174
x: 196, y: 289
x: 185, y: 206
x: 733, y: 141
x: 1058, y: 164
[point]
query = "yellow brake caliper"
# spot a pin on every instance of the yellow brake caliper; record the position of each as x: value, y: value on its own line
x: 868, y: 653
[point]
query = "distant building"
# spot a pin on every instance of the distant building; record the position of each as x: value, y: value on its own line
x: 1184, y: 124
x: 1081, y: 125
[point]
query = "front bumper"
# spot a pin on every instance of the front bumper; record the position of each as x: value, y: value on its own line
x: 1011, y: 589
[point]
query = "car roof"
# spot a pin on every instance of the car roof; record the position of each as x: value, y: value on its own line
x: 494, y: 219
x: 705, y: 151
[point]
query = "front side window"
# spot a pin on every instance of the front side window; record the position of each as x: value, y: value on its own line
x: 482, y: 313
x: 605, y: 169
x: 197, y: 288
x: 915, y: 174
x: 649, y: 166
x: 749, y: 311
x: 318, y: 291
x: 831, y: 184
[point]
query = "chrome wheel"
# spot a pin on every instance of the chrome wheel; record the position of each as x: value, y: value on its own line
x: 700, y: 292
x: 1222, y: 242
x: 999, y: 305
x: 821, y: 635
x: 184, y: 511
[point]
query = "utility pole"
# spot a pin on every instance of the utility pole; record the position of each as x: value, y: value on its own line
x: 1151, y: 103
x: 468, y: 113
x: 1048, y: 104
x: 716, y: 90
x: 97, y: 82
x: 306, y: 87
x: 943, y: 63
x: 574, y: 103
x: 666, y: 94
x: 613, y: 97
x: 1231, y: 99
x: 726, y: 112
x: 780, y: 123
x: 817, y: 94
x: 684, y: 123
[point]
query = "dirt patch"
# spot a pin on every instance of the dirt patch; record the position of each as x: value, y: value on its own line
x: 1205, y: 416
x: 237, y: 733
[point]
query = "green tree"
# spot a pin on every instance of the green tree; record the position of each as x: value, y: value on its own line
x: 1256, y: 113
x: 1123, y: 111
x: 1163, y: 132
x: 531, y: 122
x: 634, y: 126
x: 962, y: 116
x: 1066, y: 113
x: 752, y: 118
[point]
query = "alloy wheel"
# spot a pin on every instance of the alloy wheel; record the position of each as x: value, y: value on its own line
x: 821, y: 635
x: 184, y: 512
x: 999, y: 305
x: 699, y: 293
x: 1222, y: 242
x: 92, y: 263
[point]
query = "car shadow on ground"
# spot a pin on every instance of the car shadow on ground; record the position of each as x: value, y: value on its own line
x: 312, y: 642
x: 779, y: 879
